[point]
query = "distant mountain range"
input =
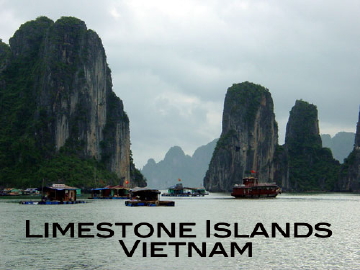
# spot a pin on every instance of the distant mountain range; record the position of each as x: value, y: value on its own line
x: 192, y: 169
x: 341, y: 144
x: 176, y: 166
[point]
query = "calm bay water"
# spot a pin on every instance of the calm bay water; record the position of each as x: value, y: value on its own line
x: 340, y: 251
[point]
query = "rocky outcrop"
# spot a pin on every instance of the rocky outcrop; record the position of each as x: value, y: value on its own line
x: 70, y: 103
x: 350, y: 170
x: 309, y: 166
x: 248, y: 140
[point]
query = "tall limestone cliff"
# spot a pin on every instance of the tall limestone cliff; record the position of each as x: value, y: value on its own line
x: 305, y: 164
x: 248, y: 140
x: 57, y: 87
x: 350, y: 170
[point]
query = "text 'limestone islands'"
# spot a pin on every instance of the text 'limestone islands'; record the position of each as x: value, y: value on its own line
x: 131, y: 234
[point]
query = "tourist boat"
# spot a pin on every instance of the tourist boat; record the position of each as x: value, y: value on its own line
x: 179, y: 191
x: 110, y: 192
x: 57, y: 194
x: 251, y: 188
x: 146, y: 197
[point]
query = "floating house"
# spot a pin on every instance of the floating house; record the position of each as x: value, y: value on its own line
x: 11, y: 192
x: 57, y: 194
x: 146, y: 197
x: 110, y: 192
x: 179, y: 191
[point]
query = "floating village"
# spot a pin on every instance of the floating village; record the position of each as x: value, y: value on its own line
x: 57, y: 194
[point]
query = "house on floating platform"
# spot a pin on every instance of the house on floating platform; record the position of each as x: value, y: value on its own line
x: 57, y: 194
x: 179, y: 191
x: 110, y: 192
x: 11, y: 192
x: 146, y: 197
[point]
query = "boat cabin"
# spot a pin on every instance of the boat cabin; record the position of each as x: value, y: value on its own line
x: 250, y: 181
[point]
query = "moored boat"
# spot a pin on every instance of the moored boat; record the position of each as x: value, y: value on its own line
x: 146, y: 197
x: 251, y: 188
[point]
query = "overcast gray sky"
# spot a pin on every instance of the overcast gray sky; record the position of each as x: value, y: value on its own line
x: 172, y: 61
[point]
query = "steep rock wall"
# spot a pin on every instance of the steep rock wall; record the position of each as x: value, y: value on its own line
x: 73, y: 93
x: 304, y: 163
x: 350, y: 171
x: 248, y: 140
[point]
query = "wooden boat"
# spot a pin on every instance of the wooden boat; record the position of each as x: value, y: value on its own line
x: 179, y: 191
x: 251, y: 188
x: 110, y: 192
x: 57, y: 194
x: 146, y: 197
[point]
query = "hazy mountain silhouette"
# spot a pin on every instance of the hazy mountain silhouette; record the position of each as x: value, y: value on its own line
x: 341, y: 144
x: 176, y: 165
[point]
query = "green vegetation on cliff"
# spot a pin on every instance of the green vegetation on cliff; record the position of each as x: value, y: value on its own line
x: 248, y: 138
x: 350, y: 173
x: 311, y: 167
x: 246, y: 95
x: 28, y: 154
